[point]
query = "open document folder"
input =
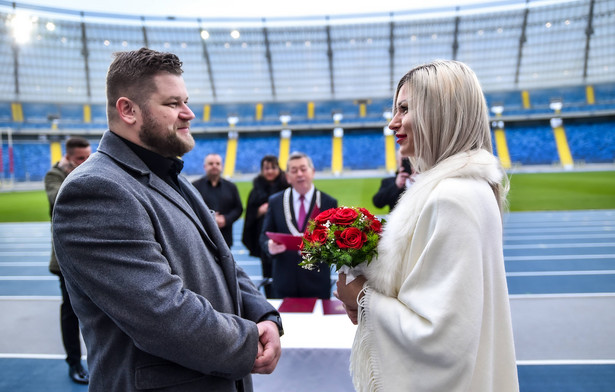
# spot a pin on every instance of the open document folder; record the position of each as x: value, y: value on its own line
x: 292, y: 242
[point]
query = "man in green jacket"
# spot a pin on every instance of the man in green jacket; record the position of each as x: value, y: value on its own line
x: 77, y: 151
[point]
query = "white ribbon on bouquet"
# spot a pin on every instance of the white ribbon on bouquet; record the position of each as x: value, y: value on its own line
x: 352, y: 272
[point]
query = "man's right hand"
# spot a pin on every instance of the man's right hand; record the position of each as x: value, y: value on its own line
x: 400, y: 180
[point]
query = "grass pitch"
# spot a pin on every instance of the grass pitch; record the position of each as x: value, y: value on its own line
x: 528, y: 192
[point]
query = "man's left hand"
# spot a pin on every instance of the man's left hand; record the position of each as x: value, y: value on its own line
x: 220, y: 220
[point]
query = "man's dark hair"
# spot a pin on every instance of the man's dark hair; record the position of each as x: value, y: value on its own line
x: 76, y: 142
x: 131, y: 75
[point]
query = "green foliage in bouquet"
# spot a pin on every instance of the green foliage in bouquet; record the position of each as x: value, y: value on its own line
x: 341, y: 236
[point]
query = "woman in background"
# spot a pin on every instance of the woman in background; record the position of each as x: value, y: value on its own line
x: 433, y: 311
x: 270, y: 180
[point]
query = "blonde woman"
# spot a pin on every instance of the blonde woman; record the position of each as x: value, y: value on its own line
x: 433, y: 311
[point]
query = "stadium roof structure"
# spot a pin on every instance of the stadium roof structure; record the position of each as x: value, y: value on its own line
x: 62, y: 55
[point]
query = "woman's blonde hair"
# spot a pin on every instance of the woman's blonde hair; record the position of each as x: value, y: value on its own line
x: 448, y: 112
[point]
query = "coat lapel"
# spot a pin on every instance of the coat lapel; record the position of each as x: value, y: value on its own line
x: 115, y: 148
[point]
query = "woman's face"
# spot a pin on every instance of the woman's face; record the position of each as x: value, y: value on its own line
x: 270, y: 171
x: 402, y: 125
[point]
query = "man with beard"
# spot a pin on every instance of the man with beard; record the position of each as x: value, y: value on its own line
x: 161, y: 301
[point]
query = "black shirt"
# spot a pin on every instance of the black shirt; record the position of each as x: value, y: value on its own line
x: 166, y: 168
x: 224, y: 199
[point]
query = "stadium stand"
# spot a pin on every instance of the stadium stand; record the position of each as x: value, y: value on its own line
x: 526, y: 55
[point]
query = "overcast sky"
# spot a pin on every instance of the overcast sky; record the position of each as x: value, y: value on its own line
x: 248, y: 8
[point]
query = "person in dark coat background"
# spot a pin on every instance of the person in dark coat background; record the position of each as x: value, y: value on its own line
x: 391, y: 188
x: 269, y: 181
x: 220, y: 195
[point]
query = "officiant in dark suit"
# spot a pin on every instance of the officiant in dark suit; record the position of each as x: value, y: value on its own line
x: 289, y: 211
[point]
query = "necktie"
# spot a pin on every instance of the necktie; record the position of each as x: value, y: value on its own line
x: 301, y: 212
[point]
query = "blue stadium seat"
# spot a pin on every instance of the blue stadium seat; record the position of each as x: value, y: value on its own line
x: 592, y: 142
x: 204, y: 144
x: 6, y: 116
x: 532, y: 145
x: 363, y: 149
x: 40, y: 114
x: 31, y: 161
x: 376, y: 107
x: 251, y: 148
x: 323, y: 110
x: 511, y: 100
x: 605, y: 93
x: 317, y: 145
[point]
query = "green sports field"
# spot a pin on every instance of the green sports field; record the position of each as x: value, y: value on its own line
x: 528, y: 192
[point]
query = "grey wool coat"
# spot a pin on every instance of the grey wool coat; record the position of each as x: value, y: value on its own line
x: 161, y: 302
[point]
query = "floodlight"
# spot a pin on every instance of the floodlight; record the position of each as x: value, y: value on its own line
x: 556, y: 122
x: 285, y: 118
x: 232, y: 120
x: 21, y: 24
x: 556, y: 105
x: 497, y: 109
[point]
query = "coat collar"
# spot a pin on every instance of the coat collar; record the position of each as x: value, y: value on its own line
x: 113, y: 146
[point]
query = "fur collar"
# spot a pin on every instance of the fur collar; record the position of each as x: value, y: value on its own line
x: 388, y: 271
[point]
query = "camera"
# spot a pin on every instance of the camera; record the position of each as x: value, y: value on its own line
x: 405, y: 164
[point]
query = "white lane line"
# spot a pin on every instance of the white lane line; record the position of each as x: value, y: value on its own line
x: 559, y: 257
x: 561, y: 273
x: 30, y: 298
x: 553, y: 230
x: 560, y: 246
x: 35, y: 356
x: 540, y: 362
x: 557, y: 237
x: 24, y: 254
x: 561, y: 295
x: 334, y: 276
x: 510, y: 296
x: 521, y: 362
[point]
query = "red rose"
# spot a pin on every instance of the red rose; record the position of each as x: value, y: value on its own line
x: 367, y: 214
x: 351, y: 237
x: 376, y: 226
x: 325, y: 215
x: 319, y: 235
x: 345, y: 216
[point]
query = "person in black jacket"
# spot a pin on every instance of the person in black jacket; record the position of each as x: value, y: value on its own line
x: 391, y: 188
x: 270, y: 180
x: 220, y: 195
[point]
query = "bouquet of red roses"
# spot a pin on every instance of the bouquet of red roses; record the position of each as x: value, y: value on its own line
x: 341, y: 237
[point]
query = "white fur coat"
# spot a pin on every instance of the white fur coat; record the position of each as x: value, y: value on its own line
x: 435, y: 315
